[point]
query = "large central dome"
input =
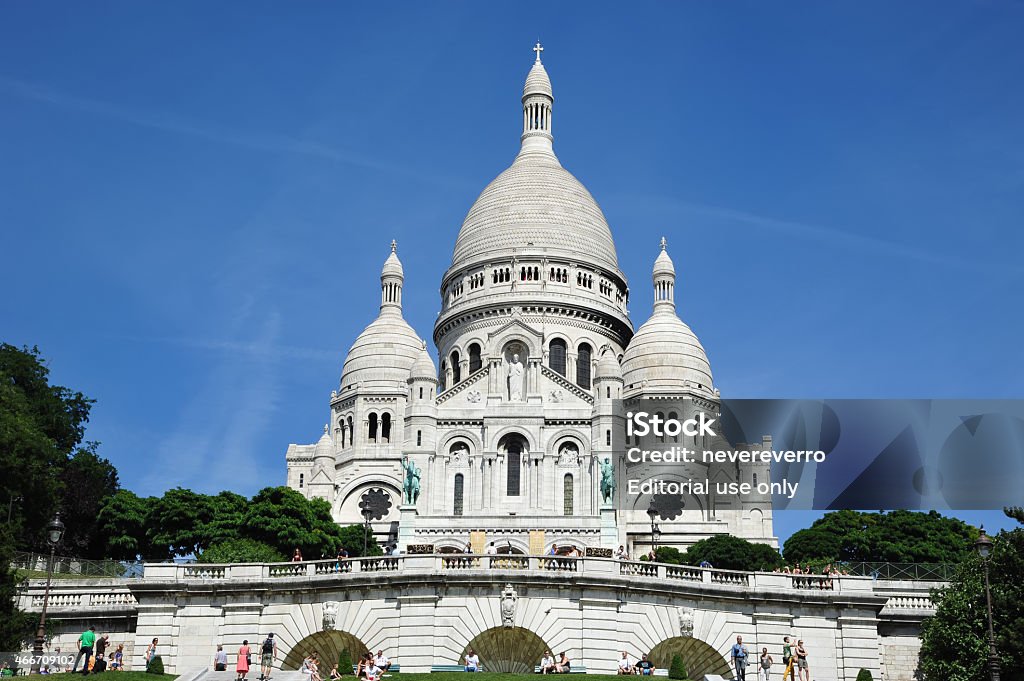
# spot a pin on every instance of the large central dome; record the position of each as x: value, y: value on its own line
x: 536, y: 205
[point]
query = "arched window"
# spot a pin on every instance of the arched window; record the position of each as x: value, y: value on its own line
x: 385, y: 428
x: 608, y: 438
x: 661, y: 417
x: 419, y: 438
x: 459, y: 483
x: 351, y: 433
x: 343, y: 431
x: 456, y: 368
x: 672, y: 416
x: 567, y: 494
x: 421, y: 392
x: 583, y: 366
x: 514, y: 456
x: 556, y: 355
x: 371, y: 428
x: 755, y: 480
x: 474, y: 357
x: 302, y: 480
x: 443, y: 375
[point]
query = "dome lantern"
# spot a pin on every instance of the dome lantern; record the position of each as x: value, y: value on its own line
x: 664, y: 276
x: 538, y: 99
x: 391, y: 277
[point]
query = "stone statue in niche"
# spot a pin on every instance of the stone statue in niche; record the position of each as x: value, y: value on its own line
x: 508, y: 606
x: 330, y: 619
x: 568, y: 455
x: 686, y: 622
x: 515, y: 379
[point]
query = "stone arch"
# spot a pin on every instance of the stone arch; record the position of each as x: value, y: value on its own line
x: 450, y: 437
x: 569, y: 435
x: 531, y: 445
x: 346, y: 506
x: 327, y: 645
x: 509, y: 650
x: 699, y: 657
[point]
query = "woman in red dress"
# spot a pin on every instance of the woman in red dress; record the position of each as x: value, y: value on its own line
x: 243, y: 660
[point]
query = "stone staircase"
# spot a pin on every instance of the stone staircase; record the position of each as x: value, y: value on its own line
x: 207, y: 674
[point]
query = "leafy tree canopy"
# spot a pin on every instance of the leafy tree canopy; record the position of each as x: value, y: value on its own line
x: 241, y: 551
x: 893, y: 536
x: 727, y: 552
x: 954, y: 643
x: 41, y: 428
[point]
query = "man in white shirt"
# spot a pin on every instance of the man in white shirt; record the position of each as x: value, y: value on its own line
x: 382, y: 661
x: 624, y: 666
x: 492, y: 550
x: 547, y: 663
x: 472, y: 661
x: 372, y: 672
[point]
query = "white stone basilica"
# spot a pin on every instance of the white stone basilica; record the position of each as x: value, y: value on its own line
x: 535, y: 344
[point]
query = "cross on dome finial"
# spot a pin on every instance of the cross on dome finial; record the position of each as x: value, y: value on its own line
x: 394, y: 245
x: 538, y: 49
x: 664, y: 243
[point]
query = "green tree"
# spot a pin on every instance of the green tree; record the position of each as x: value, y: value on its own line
x: 123, y: 525
x: 15, y: 626
x: 284, y: 519
x: 177, y: 522
x: 895, y: 536
x: 732, y: 553
x: 669, y: 554
x: 954, y: 642
x: 864, y: 675
x: 87, y: 483
x: 41, y: 425
x: 241, y: 551
x: 352, y: 539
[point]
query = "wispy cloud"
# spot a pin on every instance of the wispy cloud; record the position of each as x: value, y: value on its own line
x: 253, y: 350
x: 828, y: 235
x: 171, y: 123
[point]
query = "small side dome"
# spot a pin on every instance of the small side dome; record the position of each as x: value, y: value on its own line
x: 666, y: 355
x: 423, y: 367
x: 382, y: 355
x: 608, y: 366
x: 324, y: 446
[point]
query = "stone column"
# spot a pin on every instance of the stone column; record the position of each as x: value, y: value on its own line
x: 416, y: 630
x: 601, y: 643
x: 857, y: 647
x: 156, y: 620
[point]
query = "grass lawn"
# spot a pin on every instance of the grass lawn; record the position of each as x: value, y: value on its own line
x: 121, y: 676
x: 491, y: 676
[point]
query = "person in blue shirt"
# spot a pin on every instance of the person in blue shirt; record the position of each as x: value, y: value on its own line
x: 739, y: 659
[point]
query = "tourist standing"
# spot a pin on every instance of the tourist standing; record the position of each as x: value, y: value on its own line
x: 101, y: 644
x: 151, y: 652
x: 242, y: 664
x: 86, y: 641
x: 739, y: 659
x: 766, y: 664
x: 268, y: 653
x: 297, y: 556
x: 803, y: 669
x: 788, y: 663
x: 220, y: 660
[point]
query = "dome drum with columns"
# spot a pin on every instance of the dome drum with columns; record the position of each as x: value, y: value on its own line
x: 534, y: 344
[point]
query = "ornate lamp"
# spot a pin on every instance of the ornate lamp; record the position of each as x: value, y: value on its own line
x: 54, y: 535
x: 983, y: 545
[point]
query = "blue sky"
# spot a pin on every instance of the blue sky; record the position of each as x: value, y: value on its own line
x: 196, y: 198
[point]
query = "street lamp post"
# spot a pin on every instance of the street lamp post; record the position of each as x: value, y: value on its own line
x: 54, y: 533
x: 652, y: 513
x: 984, y: 548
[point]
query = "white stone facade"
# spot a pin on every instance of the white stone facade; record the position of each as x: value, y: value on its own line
x: 535, y: 342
